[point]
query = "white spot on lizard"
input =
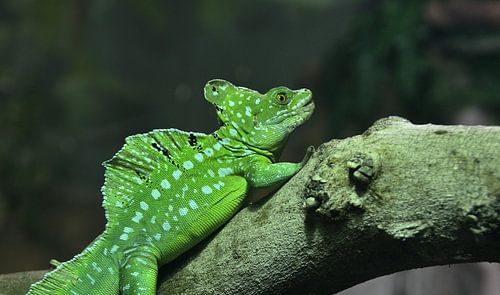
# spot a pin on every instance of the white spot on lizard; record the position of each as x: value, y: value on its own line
x: 165, y: 184
x: 183, y: 211
x: 209, y: 152
x: 138, y: 216
x: 193, y: 204
x: 198, y: 157
x: 114, y: 249
x: 144, y: 206
x: 206, y: 190
x: 224, y: 171
x: 177, y: 174
x: 188, y: 165
x: 155, y: 194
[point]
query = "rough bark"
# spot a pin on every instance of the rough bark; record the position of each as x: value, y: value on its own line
x: 399, y: 196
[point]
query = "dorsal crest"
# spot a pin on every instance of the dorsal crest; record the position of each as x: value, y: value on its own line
x: 128, y: 172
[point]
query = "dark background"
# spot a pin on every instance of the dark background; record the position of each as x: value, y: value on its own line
x: 77, y: 77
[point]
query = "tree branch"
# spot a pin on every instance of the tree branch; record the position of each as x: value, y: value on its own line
x: 398, y: 197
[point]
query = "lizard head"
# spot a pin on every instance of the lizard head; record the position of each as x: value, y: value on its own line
x: 263, y: 121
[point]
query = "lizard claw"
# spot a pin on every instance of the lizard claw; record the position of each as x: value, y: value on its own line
x: 309, y: 152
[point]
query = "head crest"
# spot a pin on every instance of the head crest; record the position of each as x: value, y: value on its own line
x: 217, y: 90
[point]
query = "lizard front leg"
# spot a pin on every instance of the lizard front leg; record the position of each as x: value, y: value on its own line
x: 264, y: 173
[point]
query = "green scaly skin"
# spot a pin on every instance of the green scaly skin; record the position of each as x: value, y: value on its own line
x: 166, y: 190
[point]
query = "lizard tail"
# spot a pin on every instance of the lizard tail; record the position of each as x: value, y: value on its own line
x: 95, y: 271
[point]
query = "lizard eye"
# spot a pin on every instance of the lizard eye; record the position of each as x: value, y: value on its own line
x: 281, y: 98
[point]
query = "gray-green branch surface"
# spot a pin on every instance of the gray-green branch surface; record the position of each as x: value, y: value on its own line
x: 400, y: 196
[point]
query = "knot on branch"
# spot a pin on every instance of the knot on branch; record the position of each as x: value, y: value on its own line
x: 362, y: 168
x: 339, y: 187
x: 483, y: 218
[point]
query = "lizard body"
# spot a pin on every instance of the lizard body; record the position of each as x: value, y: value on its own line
x: 166, y: 190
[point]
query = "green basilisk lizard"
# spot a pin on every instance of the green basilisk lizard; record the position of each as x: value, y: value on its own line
x: 166, y: 190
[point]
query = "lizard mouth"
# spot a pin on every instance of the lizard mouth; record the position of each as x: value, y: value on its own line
x: 304, y: 113
x: 301, y: 114
x: 306, y: 107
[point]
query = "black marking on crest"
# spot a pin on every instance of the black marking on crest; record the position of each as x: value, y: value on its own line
x: 193, y: 142
x: 218, y: 108
x: 143, y: 177
x: 157, y: 146
x: 161, y: 149
x: 216, y: 136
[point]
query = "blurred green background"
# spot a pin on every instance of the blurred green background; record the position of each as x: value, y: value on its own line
x: 77, y: 77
